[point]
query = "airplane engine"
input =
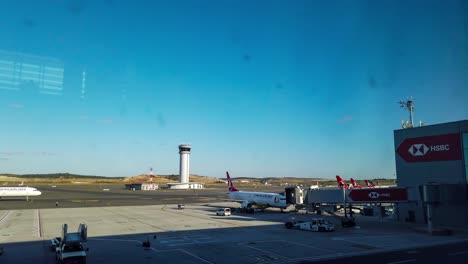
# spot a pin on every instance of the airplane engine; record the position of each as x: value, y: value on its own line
x: 246, y: 204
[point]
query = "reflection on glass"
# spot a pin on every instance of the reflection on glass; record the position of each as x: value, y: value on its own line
x: 25, y: 72
x: 466, y: 156
x: 466, y: 174
x: 465, y: 146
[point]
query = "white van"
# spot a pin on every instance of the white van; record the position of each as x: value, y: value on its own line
x: 224, y: 211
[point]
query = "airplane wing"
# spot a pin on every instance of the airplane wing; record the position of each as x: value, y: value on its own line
x: 243, y: 203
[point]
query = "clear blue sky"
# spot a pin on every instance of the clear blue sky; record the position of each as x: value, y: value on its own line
x: 259, y: 88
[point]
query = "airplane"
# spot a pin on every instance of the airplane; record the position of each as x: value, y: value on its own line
x: 355, y: 184
x: 314, y: 187
x: 369, y: 184
x: 342, y: 184
x: 255, y: 199
x: 377, y: 185
x: 18, y: 192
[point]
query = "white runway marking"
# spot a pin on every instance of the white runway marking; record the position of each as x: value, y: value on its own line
x: 354, y: 241
x: 183, y: 239
x: 190, y: 243
x: 39, y: 225
x: 264, y: 251
x: 197, y: 257
x: 116, y: 240
x: 6, y: 216
x: 186, y: 240
x: 332, y: 253
x: 294, y: 243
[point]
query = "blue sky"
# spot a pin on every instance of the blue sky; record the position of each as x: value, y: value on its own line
x: 259, y: 88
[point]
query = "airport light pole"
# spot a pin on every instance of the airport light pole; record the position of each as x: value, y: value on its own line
x: 344, y: 202
x: 429, y: 218
x: 430, y: 197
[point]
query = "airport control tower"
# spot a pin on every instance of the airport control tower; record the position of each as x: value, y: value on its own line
x: 184, y: 151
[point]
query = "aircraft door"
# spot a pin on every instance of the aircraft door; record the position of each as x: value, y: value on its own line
x: 299, y: 195
x: 290, y: 194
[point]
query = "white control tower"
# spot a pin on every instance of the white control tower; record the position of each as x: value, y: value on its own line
x: 184, y: 151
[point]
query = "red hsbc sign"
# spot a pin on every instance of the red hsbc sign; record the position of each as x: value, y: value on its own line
x: 379, y: 195
x: 431, y: 148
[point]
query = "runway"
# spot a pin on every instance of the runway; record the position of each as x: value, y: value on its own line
x: 73, y: 196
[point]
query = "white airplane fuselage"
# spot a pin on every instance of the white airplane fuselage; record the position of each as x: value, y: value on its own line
x: 259, y: 199
x: 18, y: 191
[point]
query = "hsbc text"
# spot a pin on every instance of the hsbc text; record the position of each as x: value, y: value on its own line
x: 440, y: 148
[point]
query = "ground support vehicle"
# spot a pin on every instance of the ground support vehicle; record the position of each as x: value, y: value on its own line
x: 70, y: 247
x: 315, y: 225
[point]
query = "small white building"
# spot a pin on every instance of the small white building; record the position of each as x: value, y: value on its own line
x: 149, y: 186
x: 185, y: 186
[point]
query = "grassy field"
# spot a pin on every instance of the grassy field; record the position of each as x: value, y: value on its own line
x: 66, y: 178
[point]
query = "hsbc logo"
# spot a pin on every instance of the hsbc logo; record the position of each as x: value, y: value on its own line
x: 431, y: 148
x: 422, y: 149
x: 418, y: 149
x: 378, y: 195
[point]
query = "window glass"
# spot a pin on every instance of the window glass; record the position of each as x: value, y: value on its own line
x: 465, y: 140
x: 466, y: 156
x: 466, y: 174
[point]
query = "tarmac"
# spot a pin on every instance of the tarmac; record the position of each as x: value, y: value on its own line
x: 192, y: 235
x: 72, y: 196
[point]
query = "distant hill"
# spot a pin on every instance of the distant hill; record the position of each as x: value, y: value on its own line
x: 164, y: 179
x: 69, y: 178
x: 62, y: 178
x: 59, y: 176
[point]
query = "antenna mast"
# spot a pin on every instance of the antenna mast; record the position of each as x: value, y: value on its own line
x: 409, y: 105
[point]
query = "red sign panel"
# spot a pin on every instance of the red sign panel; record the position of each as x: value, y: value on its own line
x: 379, y: 195
x: 431, y: 148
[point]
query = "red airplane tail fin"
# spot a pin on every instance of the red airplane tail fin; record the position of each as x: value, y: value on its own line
x: 341, y: 182
x: 230, y: 185
x: 355, y: 184
x: 369, y: 184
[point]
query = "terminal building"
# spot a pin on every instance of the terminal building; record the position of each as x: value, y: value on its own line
x: 432, y: 163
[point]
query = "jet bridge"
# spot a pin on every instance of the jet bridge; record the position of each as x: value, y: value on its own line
x: 367, y: 195
x: 318, y: 200
x: 294, y: 195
